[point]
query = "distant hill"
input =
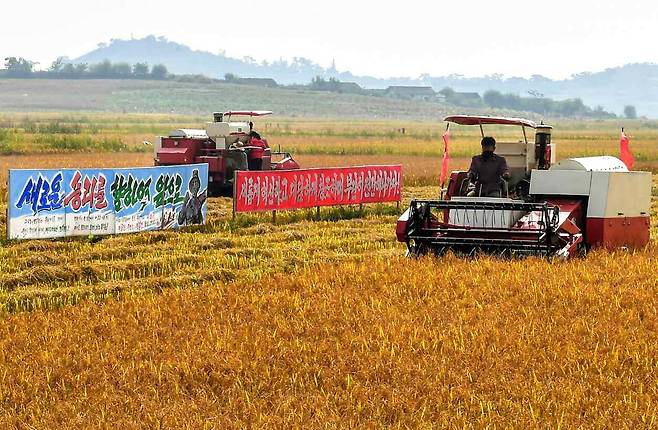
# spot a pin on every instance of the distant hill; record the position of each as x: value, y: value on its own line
x: 612, y: 89
x: 181, y: 59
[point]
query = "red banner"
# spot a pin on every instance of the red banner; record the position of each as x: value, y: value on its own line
x: 294, y: 189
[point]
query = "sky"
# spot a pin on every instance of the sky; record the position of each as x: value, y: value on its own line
x: 554, y: 38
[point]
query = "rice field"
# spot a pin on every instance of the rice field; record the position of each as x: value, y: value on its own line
x: 315, y: 323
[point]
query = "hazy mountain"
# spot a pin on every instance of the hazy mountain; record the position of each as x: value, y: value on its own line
x: 631, y: 84
x: 635, y: 84
x: 181, y: 59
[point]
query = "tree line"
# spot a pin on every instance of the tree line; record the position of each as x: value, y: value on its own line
x: 19, y: 67
x: 543, y: 105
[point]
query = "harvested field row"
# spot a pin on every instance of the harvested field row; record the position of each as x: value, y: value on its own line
x: 46, y: 274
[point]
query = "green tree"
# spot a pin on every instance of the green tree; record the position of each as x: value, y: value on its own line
x: 318, y: 83
x: 159, y: 71
x: 630, y: 112
x: 230, y: 77
x: 140, y: 70
x: 81, y: 68
x: 121, y: 70
x: 67, y: 69
x: 572, y: 107
x: 19, y: 66
x: 493, y: 98
x: 101, y: 70
x: 56, y: 66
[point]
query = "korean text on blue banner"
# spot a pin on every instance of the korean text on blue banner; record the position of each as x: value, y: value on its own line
x: 75, y: 202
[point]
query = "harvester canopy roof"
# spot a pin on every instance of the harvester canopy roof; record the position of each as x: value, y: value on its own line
x: 483, y: 120
x: 189, y: 133
x: 248, y: 112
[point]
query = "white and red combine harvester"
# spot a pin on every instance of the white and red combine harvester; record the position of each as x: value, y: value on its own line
x: 550, y: 209
x: 224, y: 145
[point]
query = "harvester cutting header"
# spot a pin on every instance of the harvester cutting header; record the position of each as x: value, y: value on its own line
x: 521, y: 202
x: 226, y: 146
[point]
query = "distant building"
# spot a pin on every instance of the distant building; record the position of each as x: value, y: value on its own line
x: 411, y: 93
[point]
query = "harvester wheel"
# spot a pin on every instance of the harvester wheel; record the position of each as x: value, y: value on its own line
x: 415, y: 249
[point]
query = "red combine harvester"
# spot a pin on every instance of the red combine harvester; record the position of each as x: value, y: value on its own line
x: 547, y: 208
x: 224, y: 145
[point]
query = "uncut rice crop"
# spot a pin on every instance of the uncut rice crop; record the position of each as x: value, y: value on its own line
x: 385, y: 342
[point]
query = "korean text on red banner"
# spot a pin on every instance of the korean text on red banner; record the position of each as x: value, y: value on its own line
x: 295, y: 189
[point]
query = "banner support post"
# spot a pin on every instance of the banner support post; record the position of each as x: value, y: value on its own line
x: 8, y: 205
x: 317, y: 212
x: 235, y: 187
x: 274, y: 217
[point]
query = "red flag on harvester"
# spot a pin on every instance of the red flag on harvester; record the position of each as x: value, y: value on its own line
x: 625, y: 150
x: 446, y: 157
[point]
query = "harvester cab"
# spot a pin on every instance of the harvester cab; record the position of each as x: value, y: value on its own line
x: 522, y: 156
x: 549, y: 209
x: 225, y: 145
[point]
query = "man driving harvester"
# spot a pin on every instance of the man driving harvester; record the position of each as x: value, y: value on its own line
x: 488, y: 171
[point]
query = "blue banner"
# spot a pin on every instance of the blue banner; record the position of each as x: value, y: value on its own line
x: 75, y: 202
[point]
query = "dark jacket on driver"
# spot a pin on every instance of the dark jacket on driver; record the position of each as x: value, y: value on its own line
x: 486, y: 173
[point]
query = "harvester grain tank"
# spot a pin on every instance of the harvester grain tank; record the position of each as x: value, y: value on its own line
x: 547, y: 208
x: 224, y: 145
